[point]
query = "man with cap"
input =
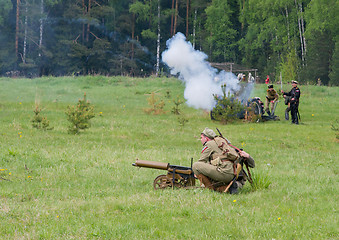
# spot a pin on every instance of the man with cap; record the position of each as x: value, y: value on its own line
x: 271, y: 98
x: 294, y: 101
x: 215, y: 165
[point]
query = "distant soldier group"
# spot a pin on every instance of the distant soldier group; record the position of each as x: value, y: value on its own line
x: 291, y: 100
x: 219, y: 167
x: 242, y: 78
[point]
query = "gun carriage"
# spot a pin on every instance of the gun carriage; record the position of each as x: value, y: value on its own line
x: 256, y: 106
x: 176, y: 177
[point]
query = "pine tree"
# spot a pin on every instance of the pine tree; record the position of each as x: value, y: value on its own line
x: 79, y: 116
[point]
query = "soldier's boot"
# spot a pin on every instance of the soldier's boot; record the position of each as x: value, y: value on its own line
x: 205, y: 182
x: 234, y: 189
x: 296, y: 121
x: 287, y: 116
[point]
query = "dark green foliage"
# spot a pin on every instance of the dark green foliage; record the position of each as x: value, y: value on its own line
x: 223, y: 35
x: 288, y: 67
x: 119, y: 37
x: 334, y: 74
x: 227, y: 108
x: 318, y: 60
x: 79, y: 116
x: 39, y: 121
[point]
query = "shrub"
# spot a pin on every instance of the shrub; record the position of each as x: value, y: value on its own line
x: 39, y: 121
x: 79, y: 115
x: 156, y: 105
x: 182, y: 121
x: 227, y: 108
x: 177, y: 102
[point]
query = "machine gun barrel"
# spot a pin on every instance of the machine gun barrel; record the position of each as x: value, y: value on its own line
x: 177, y: 176
x: 151, y: 164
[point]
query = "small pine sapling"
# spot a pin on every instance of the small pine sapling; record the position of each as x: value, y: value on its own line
x: 39, y: 121
x: 157, y: 106
x: 182, y: 121
x: 227, y: 108
x: 79, y: 116
x: 177, y: 102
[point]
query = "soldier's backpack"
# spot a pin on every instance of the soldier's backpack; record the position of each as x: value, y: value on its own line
x: 228, y: 152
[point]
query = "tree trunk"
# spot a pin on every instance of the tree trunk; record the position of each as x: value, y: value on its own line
x: 288, y: 26
x: 302, y: 26
x: 158, y: 42
x: 41, y: 26
x: 133, y: 32
x: 194, y: 26
x: 172, y: 17
x: 300, y: 35
x: 17, y: 28
x: 88, y: 26
x: 187, y: 14
x: 83, y: 25
x: 25, y: 37
x: 175, y: 17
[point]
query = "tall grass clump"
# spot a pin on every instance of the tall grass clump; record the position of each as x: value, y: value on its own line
x: 261, y: 181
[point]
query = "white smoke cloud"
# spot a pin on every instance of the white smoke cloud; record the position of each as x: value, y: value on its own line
x: 201, y: 80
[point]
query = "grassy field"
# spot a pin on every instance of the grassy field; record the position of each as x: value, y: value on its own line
x: 59, y: 186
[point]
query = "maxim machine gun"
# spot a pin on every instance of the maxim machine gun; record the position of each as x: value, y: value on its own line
x: 177, y: 176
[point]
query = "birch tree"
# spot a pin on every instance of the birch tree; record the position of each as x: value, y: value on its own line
x: 158, y: 43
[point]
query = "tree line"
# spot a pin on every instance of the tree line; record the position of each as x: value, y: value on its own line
x: 295, y: 39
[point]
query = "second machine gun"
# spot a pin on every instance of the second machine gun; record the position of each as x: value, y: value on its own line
x: 177, y: 176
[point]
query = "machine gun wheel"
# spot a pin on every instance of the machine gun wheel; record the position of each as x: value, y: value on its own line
x: 161, y: 182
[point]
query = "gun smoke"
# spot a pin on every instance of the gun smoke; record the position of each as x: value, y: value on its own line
x: 202, y: 81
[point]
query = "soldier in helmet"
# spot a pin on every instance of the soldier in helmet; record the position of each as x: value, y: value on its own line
x: 271, y: 98
x: 294, y: 101
x: 215, y: 165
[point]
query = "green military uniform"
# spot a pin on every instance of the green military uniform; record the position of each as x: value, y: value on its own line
x: 271, y: 96
x: 215, y: 162
x: 222, y: 172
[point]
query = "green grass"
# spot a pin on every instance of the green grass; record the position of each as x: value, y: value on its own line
x: 63, y: 186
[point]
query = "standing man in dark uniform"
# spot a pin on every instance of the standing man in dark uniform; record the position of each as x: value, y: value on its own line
x: 294, y: 102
